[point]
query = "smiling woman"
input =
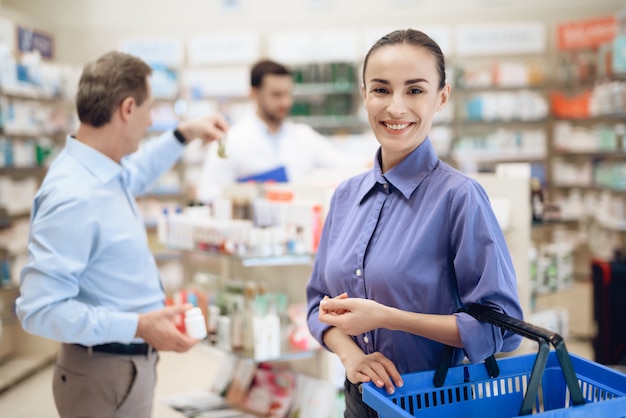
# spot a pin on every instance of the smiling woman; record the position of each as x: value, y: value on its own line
x: 403, y: 87
x: 408, y: 243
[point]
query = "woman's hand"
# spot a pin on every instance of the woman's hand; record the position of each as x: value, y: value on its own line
x: 374, y: 368
x: 353, y: 316
x: 361, y: 367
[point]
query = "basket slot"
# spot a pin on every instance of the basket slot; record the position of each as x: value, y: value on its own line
x: 410, y: 406
x: 594, y: 393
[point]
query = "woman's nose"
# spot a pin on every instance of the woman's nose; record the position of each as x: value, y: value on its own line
x: 397, y: 105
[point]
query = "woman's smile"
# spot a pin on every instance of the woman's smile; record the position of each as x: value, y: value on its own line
x: 397, y: 126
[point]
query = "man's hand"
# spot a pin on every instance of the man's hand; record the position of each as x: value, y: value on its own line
x: 158, y: 328
x: 208, y: 128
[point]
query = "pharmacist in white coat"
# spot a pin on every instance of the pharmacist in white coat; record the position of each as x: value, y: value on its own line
x: 264, y: 145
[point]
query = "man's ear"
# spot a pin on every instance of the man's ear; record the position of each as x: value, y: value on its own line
x: 254, y: 93
x: 126, y: 108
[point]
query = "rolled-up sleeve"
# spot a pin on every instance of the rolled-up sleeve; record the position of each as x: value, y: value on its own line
x: 484, y: 272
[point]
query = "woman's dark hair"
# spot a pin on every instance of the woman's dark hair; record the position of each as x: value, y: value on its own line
x: 262, y: 68
x: 106, y: 82
x: 415, y: 38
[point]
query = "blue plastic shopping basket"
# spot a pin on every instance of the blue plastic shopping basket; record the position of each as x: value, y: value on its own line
x: 547, y: 384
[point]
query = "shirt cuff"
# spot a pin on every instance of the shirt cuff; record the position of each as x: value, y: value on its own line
x: 123, y: 327
x: 480, y: 340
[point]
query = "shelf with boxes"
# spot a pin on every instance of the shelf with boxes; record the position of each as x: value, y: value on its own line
x: 251, y: 318
x: 589, y: 107
x: 246, y: 269
x: 327, y: 97
x: 29, y: 138
x: 256, y: 319
x: 32, y: 123
x: 257, y: 240
x: 35, y: 116
x: 588, y: 158
x: 501, y: 112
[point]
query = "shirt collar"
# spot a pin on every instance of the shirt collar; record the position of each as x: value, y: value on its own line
x: 407, y: 175
x: 263, y: 126
x: 101, y: 166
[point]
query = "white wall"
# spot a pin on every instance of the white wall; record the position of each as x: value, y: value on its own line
x: 84, y: 29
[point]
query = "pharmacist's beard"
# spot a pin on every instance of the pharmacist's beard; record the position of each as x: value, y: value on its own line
x: 272, y: 120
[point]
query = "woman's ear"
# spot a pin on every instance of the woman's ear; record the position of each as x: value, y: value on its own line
x: 444, y: 95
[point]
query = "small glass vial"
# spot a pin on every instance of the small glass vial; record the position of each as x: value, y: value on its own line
x: 195, y: 324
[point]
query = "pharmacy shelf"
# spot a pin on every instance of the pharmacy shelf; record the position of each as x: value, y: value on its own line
x: 591, y: 154
x: 500, y: 123
x: 596, y: 119
x: 288, y: 353
x: 588, y: 187
x: 471, y: 156
x: 32, y: 134
x: 615, y: 225
x: 331, y: 122
x: 322, y: 89
x: 23, y: 354
x: 166, y: 194
x: 497, y: 88
x: 251, y: 261
x: 27, y: 92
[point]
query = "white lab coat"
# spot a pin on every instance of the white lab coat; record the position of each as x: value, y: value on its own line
x: 251, y: 150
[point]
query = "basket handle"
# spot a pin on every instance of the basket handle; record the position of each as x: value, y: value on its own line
x: 542, y: 336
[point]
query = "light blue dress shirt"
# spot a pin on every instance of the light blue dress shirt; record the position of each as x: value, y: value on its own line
x: 421, y: 238
x: 90, y: 270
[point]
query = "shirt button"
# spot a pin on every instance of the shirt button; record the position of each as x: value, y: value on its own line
x: 358, y: 272
x: 385, y: 186
x: 366, y: 340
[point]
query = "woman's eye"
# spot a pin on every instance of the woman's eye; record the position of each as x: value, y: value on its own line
x: 379, y: 90
x: 415, y: 91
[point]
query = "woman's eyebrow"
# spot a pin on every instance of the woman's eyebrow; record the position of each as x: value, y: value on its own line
x: 415, y: 81
x: 406, y: 83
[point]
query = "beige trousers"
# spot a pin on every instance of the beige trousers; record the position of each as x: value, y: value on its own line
x: 98, y: 385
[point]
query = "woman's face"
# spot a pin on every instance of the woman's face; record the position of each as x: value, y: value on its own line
x: 401, y: 95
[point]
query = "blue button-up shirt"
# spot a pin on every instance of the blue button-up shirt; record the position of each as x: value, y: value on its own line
x: 90, y: 270
x: 421, y: 238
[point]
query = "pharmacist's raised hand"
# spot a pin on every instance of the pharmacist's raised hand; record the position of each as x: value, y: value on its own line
x: 375, y: 368
x: 158, y: 328
x: 208, y: 128
x: 353, y: 316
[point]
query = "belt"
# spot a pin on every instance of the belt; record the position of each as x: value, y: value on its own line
x: 139, y: 349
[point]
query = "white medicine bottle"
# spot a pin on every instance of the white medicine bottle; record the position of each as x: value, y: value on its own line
x: 195, y: 323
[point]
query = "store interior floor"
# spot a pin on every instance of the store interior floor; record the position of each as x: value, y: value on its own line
x: 177, y: 374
